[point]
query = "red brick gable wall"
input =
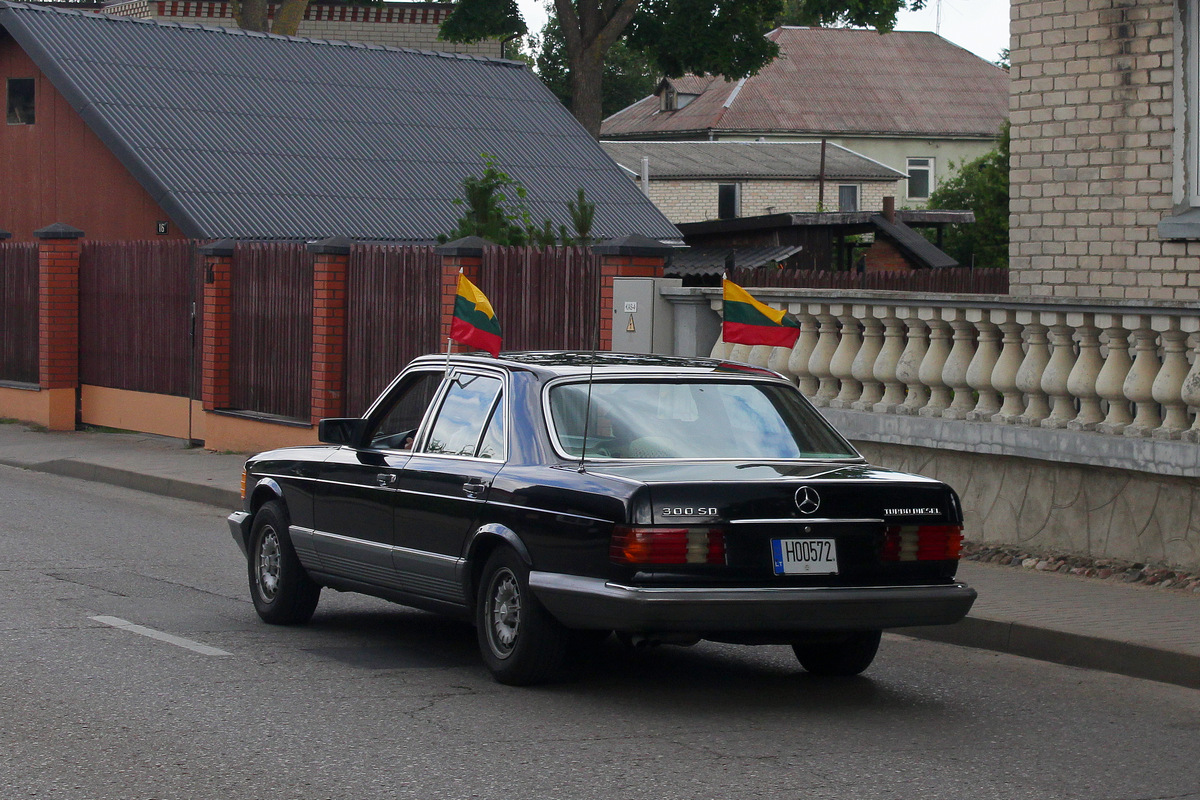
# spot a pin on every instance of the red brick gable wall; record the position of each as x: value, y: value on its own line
x: 58, y: 170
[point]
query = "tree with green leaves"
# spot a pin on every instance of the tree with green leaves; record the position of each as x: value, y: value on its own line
x: 628, y: 75
x: 721, y: 37
x: 981, y: 186
x: 495, y: 209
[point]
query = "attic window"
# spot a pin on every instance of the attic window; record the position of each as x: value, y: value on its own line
x: 667, y: 100
x: 20, y: 101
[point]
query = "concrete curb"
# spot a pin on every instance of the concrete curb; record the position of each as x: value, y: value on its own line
x: 1070, y: 649
x: 128, y: 479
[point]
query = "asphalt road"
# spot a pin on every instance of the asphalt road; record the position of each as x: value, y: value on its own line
x: 375, y: 701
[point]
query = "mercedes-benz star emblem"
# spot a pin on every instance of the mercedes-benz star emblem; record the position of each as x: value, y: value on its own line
x: 807, y: 500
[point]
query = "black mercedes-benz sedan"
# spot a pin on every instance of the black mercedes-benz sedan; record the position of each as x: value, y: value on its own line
x: 553, y: 498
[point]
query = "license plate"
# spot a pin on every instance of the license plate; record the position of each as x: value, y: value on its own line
x: 804, y: 556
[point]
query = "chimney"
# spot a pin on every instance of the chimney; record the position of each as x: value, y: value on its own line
x: 889, y: 209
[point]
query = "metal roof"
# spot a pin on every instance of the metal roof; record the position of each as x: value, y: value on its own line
x: 716, y: 260
x: 840, y: 81
x: 247, y: 135
x: 734, y: 159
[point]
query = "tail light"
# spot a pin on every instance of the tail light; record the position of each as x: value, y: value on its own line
x: 921, y: 543
x: 667, y: 545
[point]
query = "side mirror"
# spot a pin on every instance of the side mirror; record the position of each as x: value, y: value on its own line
x: 346, y: 431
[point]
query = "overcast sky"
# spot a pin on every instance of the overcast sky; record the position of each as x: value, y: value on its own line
x: 980, y: 26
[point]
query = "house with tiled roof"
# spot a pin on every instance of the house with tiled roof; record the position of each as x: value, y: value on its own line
x: 133, y: 129
x: 910, y: 100
x: 696, y: 181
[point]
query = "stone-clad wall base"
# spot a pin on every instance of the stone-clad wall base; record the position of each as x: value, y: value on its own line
x: 1087, y: 510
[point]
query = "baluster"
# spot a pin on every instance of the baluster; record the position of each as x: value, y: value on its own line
x: 822, y: 355
x: 720, y: 349
x: 931, y: 373
x: 863, y: 368
x: 979, y: 374
x: 739, y: 353
x: 958, y: 362
x: 802, y: 350
x: 1058, y: 371
x: 842, y: 364
x: 889, y: 357
x: 1004, y: 375
x: 1081, y: 383
x: 909, y: 367
x: 1191, y: 387
x: 760, y: 355
x: 779, y: 362
x: 1168, y: 385
x: 1033, y: 367
x: 1111, y: 379
x: 1139, y: 383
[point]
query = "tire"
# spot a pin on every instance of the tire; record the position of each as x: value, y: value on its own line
x: 521, y: 643
x: 282, y: 592
x: 844, y: 655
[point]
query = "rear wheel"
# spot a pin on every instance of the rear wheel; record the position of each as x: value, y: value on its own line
x: 842, y: 654
x: 520, y: 642
x: 282, y: 592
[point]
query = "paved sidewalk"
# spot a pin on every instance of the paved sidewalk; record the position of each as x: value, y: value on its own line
x: 1130, y: 630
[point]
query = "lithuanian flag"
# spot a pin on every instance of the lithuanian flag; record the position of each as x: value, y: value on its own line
x: 747, y: 321
x: 475, y: 322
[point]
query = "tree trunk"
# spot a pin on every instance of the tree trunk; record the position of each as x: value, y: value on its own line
x: 287, y: 19
x: 587, y: 76
x: 252, y: 16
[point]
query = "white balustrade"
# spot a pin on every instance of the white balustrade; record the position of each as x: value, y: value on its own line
x: 842, y: 363
x: 1080, y: 366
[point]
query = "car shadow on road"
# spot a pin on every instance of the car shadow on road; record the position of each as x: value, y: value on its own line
x: 729, y: 677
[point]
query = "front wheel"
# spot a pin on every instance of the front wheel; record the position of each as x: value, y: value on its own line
x: 521, y: 643
x: 841, y: 655
x: 282, y: 592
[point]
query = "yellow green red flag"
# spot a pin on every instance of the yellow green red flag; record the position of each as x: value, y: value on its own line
x: 474, y: 322
x: 747, y: 321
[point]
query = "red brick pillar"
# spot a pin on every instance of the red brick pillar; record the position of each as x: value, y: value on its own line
x: 58, y: 321
x: 462, y: 254
x: 627, y: 257
x: 332, y: 257
x: 218, y: 314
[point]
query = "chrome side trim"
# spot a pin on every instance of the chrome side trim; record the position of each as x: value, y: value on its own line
x: 337, y: 537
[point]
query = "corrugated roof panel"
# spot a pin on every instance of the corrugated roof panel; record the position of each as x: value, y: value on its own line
x: 735, y: 159
x: 265, y: 137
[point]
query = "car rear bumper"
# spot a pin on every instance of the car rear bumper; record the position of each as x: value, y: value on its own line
x: 580, y: 602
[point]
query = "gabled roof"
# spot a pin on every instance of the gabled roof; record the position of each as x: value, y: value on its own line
x: 734, y: 159
x: 840, y: 81
x: 255, y: 136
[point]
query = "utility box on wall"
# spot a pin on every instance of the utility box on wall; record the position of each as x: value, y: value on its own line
x: 643, y: 322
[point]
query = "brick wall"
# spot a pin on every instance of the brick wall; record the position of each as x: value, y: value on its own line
x: 394, y: 24
x: 1092, y: 147
x: 696, y: 201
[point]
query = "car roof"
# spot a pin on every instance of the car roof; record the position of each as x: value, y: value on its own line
x: 556, y: 363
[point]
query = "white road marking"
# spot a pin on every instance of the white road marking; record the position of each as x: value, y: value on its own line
x: 178, y: 641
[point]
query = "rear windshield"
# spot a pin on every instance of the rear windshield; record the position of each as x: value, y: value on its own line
x: 694, y: 419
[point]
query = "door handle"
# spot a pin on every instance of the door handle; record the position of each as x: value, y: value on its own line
x: 473, y: 489
x: 385, y: 479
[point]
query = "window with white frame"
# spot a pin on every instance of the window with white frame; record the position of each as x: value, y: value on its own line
x: 920, y: 178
